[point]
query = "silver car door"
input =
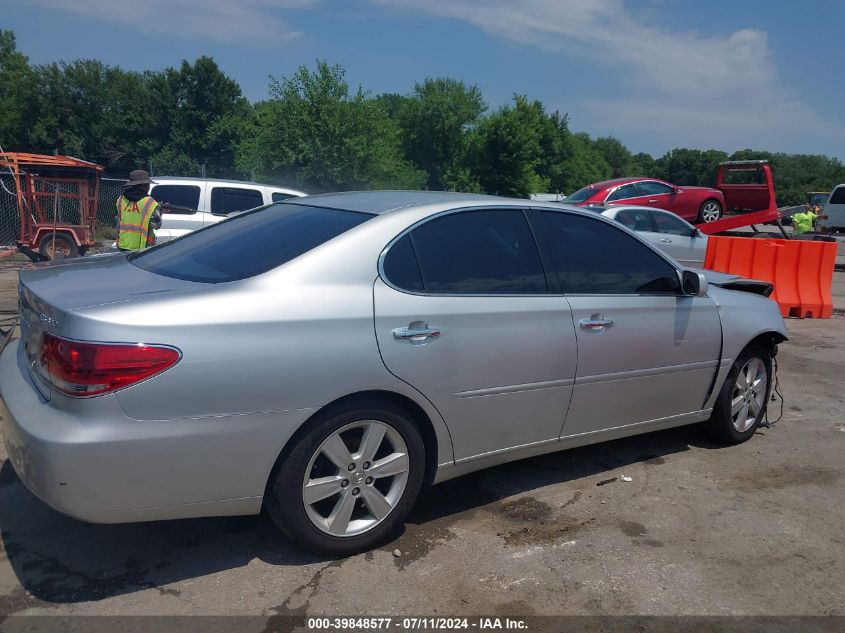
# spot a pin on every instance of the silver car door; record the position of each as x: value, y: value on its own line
x: 678, y: 238
x: 475, y: 330
x: 645, y: 352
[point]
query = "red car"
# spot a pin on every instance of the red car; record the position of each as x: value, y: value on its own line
x: 694, y: 204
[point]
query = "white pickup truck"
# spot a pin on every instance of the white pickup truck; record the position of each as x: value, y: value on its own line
x: 198, y: 202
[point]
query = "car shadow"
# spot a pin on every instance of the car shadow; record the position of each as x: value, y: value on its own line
x: 61, y: 560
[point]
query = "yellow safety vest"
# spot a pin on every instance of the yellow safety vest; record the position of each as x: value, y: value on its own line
x: 804, y: 221
x: 134, y: 224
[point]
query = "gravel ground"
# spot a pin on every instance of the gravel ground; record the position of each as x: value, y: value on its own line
x: 754, y: 529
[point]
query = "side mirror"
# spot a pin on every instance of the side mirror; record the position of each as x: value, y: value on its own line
x: 677, y: 190
x: 693, y: 284
x: 694, y: 232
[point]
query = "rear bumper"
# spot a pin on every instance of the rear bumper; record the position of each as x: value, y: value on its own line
x: 92, y: 462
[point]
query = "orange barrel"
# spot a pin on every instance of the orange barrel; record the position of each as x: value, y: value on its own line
x: 801, y: 271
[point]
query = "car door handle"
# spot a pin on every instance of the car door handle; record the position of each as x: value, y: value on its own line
x: 652, y: 201
x: 417, y: 333
x: 665, y: 240
x: 596, y: 323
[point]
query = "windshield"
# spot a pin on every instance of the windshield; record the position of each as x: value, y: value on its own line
x: 580, y: 195
x: 247, y: 244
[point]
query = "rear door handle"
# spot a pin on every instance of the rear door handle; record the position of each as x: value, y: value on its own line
x: 596, y: 323
x: 652, y: 201
x: 665, y: 240
x: 418, y: 333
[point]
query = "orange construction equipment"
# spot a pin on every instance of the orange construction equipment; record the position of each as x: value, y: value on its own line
x: 800, y: 270
x: 45, y: 186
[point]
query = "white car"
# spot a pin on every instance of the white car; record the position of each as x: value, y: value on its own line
x: 664, y: 229
x: 198, y: 202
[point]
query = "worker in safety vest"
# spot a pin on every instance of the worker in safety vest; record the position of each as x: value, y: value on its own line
x: 803, y: 222
x: 138, y: 214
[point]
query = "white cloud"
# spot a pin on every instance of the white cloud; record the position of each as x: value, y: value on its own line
x: 236, y: 21
x: 687, y: 88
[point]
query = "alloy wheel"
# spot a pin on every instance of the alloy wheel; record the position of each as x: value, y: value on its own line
x: 710, y: 212
x: 348, y: 491
x: 749, y: 394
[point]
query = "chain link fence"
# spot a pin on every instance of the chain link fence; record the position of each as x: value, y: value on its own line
x: 63, y: 209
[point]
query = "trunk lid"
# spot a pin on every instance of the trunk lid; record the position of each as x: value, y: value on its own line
x: 47, y: 292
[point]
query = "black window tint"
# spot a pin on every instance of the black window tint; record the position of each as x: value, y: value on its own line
x: 580, y: 195
x: 838, y: 196
x: 401, y: 268
x: 184, y: 198
x: 625, y: 191
x: 278, y: 196
x: 248, y: 244
x: 671, y: 225
x: 635, y: 219
x: 479, y: 252
x: 593, y: 257
x: 226, y: 200
x: 652, y: 188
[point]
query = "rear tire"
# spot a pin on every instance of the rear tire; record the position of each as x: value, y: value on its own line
x: 742, y: 401
x: 710, y: 211
x: 338, y: 508
x: 64, y: 246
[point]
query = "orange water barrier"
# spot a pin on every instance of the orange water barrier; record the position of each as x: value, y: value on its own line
x: 801, y: 271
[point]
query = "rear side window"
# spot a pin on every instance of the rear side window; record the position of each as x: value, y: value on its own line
x: 401, y: 267
x: 184, y: 198
x: 476, y: 252
x: 226, y: 200
x: 248, y: 244
x: 592, y: 257
x: 838, y: 196
x: 635, y: 219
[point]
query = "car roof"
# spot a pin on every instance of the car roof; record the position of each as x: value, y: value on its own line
x: 614, y: 182
x: 158, y: 179
x: 379, y: 202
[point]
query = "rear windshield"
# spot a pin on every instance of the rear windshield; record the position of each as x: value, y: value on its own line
x: 838, y: 196
x: 248, y: 244
x: 580, y: 195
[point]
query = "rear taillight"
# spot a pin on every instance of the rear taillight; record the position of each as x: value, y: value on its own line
x: 90, y: 369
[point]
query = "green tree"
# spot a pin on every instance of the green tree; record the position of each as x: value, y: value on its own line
x: 18, y: 95
x: 434, y: 123
x: 509, y: 149
x: 690, y: 167
x: 615, y: 154
x: 584, y: 164
x: 317, y: 134
x: 641, y: 164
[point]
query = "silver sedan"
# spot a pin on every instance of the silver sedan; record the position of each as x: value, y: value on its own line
x: 328, y: 356
x: 665, y: 230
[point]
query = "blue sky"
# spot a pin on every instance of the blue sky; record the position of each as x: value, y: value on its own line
x: 657, y: 74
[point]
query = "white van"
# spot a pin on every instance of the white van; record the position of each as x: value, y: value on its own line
x: 833, y: 214
x: 197, y: 202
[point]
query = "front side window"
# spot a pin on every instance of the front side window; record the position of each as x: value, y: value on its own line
x: 668, y: 223
x: 653, y: 188
x: 623, y: 192
x: 470, y: 252
x: 184, y: 199
x: 249, y: 244
x: 226, y: 200
x: 593, y: 257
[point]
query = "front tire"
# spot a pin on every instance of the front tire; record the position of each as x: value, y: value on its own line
x: 710, y: 211
x: 742, y: 401
x: 350, y: 480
